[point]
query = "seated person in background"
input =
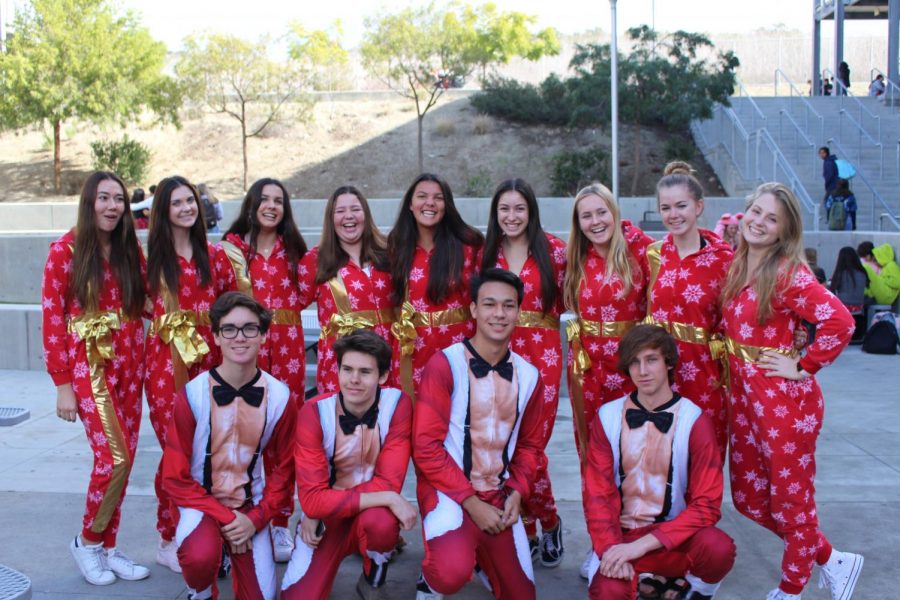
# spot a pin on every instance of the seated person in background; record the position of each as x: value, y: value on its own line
x: 653, y: 484
x: 812, y: 257
x: 226, y: 423
x: 478, y: 435
x: 877, y: 87
x: 351, y: 456
x: 849, y: 280
x: 884, y: 274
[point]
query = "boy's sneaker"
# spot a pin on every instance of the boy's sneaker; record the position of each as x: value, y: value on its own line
x: 777, y: 594
x: 91, y: 561
x: 424, y: 592
x: 366, y: 591
x: 282, y: 544
x: 225, y: 564
x: 124, y: 567
x: 552, y: 545
x: 534, y: 547
x: 841, y: 573
x: 585, y: 569
x: 167, y: 555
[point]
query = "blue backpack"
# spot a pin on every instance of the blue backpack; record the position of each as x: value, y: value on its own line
x: 845, y: 169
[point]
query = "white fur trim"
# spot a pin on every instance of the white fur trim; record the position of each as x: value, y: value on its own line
x: 301, y: 558
x: 446, y: 516
x: 188, y: 520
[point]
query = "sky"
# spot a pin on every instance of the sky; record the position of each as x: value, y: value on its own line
x: 171, y: 20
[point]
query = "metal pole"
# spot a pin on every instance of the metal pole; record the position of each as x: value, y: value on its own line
x: 614, y: 52
x: 893, y: 51
x: 816, y: 55
x: 838, y: 46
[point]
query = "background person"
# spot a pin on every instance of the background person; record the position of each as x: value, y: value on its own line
x: 884, y: 273
x: 212, y: 209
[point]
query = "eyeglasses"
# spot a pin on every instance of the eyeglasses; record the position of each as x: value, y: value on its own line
x: 229, y: 332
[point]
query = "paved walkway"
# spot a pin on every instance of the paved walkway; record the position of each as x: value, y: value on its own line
x: 44, y: 466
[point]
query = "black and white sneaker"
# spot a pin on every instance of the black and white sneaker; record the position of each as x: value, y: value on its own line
x: 534, y: 546
x: 552, y: 549
x: 225, y: 565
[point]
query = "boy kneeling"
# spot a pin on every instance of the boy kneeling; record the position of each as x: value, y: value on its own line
x: 653, y: 481
x: 351, y: 456
x: 226, y: 423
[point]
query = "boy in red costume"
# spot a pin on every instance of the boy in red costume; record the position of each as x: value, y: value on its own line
x: 477, y: 442
x: 351, y: 456
x: 653, y: 483
x: 228, y: 422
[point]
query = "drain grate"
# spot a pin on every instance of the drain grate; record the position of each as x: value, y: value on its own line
x: 10, y: 416
x: 13, y: 585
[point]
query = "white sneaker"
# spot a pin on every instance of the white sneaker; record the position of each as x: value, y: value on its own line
x: 282, y: 544
x: 840, y: 574
x: 585, y: 569
x: 124, y: 567
x: 777, y: 594
x: 424, y: 592
x: 91, y: 561
x: 167, y: 555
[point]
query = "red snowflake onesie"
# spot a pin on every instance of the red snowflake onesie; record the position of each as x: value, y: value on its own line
x: 423, y: 328
x: 177, y: 323
x: 110, y: 346
x: 356, y: 298
x: 537, y: 339
x: 684, y: 298
x: 605, y: 314
x: 775, y: 422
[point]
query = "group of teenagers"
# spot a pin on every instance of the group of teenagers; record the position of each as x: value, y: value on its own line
x: 443, y: 345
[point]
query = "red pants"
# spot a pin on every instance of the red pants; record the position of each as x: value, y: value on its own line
x: 310, y: 574
x: 773, y: 467
x: 708, y: 554
x: 541, y: 505
x: 200, y: 552
x: 450, y: 559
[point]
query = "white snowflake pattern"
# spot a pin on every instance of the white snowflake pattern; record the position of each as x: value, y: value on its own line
x: 807, y: 424
x: 693, y: 293
x: 550, y: 357
x: 824, y: 311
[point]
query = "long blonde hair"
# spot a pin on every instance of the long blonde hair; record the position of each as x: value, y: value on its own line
x: 617, y: 259
x: 780, y: 262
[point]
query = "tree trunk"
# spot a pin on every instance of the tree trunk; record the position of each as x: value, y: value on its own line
x: 420, y: 119
x: 636, y: 163
x: 57, y: 160
x: 244, y: 141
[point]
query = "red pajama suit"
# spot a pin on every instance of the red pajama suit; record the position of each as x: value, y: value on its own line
x: 181, y: 320
x: 605, y: 314
x: 422, y: 327
x: 101, y: 354
x: 537, y: 339
x: 684, y: 298
x: 211, y: 468
x: 355, y: 298
x: 337, y: 459
x: 775, y: 421
x: 476, y: 436
x: 642, y: 480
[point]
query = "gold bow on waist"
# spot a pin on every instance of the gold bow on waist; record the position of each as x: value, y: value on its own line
x: 404, y: 329
x: 528, y: 318
x: 95, y: 329
x: 578, y: 327
x: 344, y: 324
x: 180, y: 328
x: 749, y: 353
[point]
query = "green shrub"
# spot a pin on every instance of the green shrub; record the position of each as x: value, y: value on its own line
x: 479, y: 184
x: 127, y: 158
x: 575, y: 169
x: 524, y: 103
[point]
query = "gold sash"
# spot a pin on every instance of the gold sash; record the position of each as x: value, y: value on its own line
x: 528, y: 318
x: 286, y: 316
x: 345, y: 320
x: 749, y: 353
x: 239, y: 264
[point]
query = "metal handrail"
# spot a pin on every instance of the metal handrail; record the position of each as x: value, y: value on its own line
x: 792, y: 180
x: 743, y: 90
x: 892, y: 90
x: 862, y: 109
x: 797, y: 129
x: 803, y: 102
x: 875, y: 195
x: 862, y: 132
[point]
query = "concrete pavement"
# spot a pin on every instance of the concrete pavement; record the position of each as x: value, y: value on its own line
x: 44, y: 467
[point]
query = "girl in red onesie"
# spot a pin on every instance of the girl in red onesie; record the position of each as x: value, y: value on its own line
x: 185, y: 275
x: 605, y: 287
x: 348, y: 278
x: 687, y: 271
x: 93, y: 297
x: 517, y: 242
x: 433, y: 254
x: 265, y: 248
x: 776, y: 404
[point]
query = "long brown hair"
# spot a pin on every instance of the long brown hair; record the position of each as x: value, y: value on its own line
x: 332, y: 256
x: 87, y: 254
x: 162, y: 260
x: 538, y: 246
x: 617, y: 259
x: 246, y: 223
x: 779, y: 263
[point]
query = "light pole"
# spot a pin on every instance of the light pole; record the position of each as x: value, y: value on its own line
x: 614, y: 60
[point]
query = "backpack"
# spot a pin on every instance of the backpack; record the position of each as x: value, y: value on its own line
x: 881, y: 338
x: 209, y: 212
x: 837, y: 216
x: 845, y: 169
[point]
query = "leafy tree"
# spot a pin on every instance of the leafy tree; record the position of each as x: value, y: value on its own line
x: 237, y: 78
x: 413, y: 51
x: 81, y: 59
x: 499, y: 37
x: 320, y: 53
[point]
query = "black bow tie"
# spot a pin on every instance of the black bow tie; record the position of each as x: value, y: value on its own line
x: 224, y: 394
x: 349, y: 422
x: 480, y: 368
x: 636, y: 417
